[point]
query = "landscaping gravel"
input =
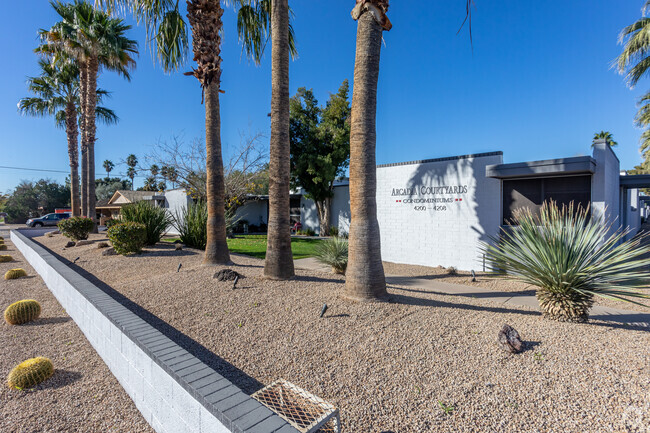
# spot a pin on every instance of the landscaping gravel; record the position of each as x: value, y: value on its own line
x: 421, y: 363
x: 83, y: 395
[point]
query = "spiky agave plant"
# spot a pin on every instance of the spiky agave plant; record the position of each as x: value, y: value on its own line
x: 570, y: 257
x: 334, y: 252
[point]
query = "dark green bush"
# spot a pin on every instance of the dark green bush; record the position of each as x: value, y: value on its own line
x: 128, y: 238
x: 155, y: 219
x: 192, y: 225
x: 111, y: 222
x: 76, y: 228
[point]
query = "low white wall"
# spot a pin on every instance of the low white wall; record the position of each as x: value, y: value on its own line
x: 174, y: 391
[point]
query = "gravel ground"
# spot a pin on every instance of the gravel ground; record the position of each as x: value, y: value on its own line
x: 390, y: 367
x: 83, y: 395
x: 499, y: 284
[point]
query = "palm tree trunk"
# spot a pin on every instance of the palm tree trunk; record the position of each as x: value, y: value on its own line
x: 83, y: 97
x: 365, y: 278
x: 91, y: 90
x: 216, y: 248
x: 279, y: 259
x: 71, y: 128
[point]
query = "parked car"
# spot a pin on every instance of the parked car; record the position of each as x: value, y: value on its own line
x: 50, y: 219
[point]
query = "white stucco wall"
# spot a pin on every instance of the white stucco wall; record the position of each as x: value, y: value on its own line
x: 176, y: 201
x: 605, y: 185
x: 340, y: 209
x: 463, y: 208
x: 309, y: 215
x: 253, y: 212
x: 633, y: 212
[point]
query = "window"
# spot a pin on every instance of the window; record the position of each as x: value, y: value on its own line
x: 532, y: 193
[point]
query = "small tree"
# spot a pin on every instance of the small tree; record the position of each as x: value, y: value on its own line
x: 320, y: 146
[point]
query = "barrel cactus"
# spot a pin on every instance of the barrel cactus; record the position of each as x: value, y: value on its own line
x: 12, y: 274
x: 30, y: 373
x: 3, y: 247
x: 22, y: 312
x: 1, y: 238
x: 5, y: 258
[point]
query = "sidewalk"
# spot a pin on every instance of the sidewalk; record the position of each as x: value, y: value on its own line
x: 628, y: 317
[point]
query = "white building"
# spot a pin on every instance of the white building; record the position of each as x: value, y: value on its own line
x: 438, y: 211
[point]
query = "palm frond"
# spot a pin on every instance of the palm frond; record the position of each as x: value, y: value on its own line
x: 106, y: 115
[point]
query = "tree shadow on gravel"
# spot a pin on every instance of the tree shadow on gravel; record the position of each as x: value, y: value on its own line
x: 315, y: 279
x: 240, y: 379
x: 618, y: 322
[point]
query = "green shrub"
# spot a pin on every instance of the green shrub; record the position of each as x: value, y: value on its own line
x: 333, y: 231
x: 128, y: 238
x: 30, y: 373
x: 155, y: 219
x: 333, y: 252
x: 570, y: 257
x: 22, y: 312
x: 192, y: 224
x: 76, y: 228
x: 111, y: 222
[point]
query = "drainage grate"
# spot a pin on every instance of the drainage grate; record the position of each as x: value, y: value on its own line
x: 304, y: 411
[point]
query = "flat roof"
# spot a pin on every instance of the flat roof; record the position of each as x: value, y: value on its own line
x: 547, y: 167
x: 635, y: 181
x: 448, y: 158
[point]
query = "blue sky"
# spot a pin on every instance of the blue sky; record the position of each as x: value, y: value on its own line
x: 537, y: 84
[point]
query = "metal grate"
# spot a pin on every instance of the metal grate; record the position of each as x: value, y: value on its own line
x: 304, y: 411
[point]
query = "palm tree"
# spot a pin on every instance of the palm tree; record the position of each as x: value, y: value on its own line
x: 279, y: 258
x: 95, y: 41
x: 609, y: 138
x: 108, y: 166
x: 165, y: 23
x: 131, y: 162
x: 634, y: 61
x: 365, y: 278
x: 57, y: 94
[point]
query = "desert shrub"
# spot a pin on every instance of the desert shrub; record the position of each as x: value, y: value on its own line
x: 155, y: 219
x: 13, y: 274
x: 571, y: 258
x: 128, y: 238
x: 452, y: 270
x: 5, y: 258
x: 192, y: 224
x: 30, y: 373
x: 22, y: 312
x: 333, y: 252
x: 76, y: 228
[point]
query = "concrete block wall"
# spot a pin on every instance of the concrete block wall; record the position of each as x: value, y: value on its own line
x: 436, y: 212
x: 174, y: 390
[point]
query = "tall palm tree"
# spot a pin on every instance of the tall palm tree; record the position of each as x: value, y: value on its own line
x: 609, y: 138
x: 57, y: 94
x: 278, y: 263
x: 108, y: 166
x: 95, y: 41
x: 634, y: 60
x: 131, y: 162
x: 164, y: 22
x: 365, y: 278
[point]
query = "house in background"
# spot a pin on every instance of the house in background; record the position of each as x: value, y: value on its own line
x: 174, y: 200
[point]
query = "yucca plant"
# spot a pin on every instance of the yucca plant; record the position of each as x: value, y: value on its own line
x: 333, y: 252
x: 155, y: 219
x: 570, y: 257
x: 191, y: 223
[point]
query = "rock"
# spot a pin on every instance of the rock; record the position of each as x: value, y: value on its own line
x: 49, y: 234
x: 227, y: 275
x: 102, y: 245
x: 83, y: 242
x: 70, y: 244
x: 179, y: 247
x: 509, y: 339
x: 109, y: 252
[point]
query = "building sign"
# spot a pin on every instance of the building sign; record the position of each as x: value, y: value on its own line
x: 435, y: 198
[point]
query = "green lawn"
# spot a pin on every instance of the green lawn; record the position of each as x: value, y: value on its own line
x: 255, y: 245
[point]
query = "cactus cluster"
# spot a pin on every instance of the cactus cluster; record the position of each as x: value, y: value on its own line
x: 30, y: 373
x: 22, y: 312
x: 12, y: 274
x: 5, y: 258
